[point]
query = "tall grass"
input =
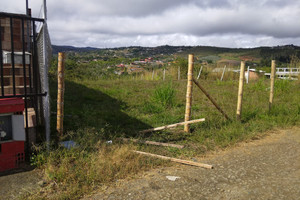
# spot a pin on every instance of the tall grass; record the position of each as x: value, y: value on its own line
x: 164, y: 95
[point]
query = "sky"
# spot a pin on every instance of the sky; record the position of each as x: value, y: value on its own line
x: 120, y: 23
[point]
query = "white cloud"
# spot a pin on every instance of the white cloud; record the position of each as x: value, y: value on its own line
x: 230, y: 23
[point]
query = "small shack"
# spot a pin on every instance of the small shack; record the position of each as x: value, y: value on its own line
x: 253, y: 75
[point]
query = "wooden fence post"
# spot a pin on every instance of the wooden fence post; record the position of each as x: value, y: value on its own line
x: 199, y: 72
x: 178, y: 72
x: 223, y: 73
x: 240, y: 92
x: 248, y: 74
x: 272, y: 76
x: 60, y: 93
x: 189, y: 92
x: 164, y: 76
x: 153, y: 75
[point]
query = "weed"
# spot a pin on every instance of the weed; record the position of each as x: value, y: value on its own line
x: 164, y: 95
x: 282, y: 85
x: 259, y: 85
x: 150, y: 107
x: 84, y: 168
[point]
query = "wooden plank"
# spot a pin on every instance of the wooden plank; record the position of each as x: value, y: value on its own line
x: 154, y: 143
x: 186, y: 162
x: 173, y: 125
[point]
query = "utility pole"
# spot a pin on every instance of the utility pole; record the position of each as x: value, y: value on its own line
x: 46, y: 100
x: 27, y: 12
x: 45, y: 10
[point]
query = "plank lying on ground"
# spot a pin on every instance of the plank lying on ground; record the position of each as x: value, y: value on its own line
x: 173, y: 125
x: 176, y: 160
x: 154, y: 143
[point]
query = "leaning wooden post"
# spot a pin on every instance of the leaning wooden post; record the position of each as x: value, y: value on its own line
x: 240, y: 93
x: 211, y: 99
x: 60, y: 93
x: 189, y: 92
x: 273, y: 69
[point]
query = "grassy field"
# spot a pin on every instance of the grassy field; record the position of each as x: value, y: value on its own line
x: 104, y: 110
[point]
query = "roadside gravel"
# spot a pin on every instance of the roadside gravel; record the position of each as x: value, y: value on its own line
x: 268, y: 168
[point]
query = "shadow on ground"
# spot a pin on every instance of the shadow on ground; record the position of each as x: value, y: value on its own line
x: 89, y: 108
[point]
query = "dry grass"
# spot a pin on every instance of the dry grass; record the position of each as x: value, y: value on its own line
x: 70, y: 174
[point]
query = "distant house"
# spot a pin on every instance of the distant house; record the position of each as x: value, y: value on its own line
x: 246, y: 58
x: 121, y: 65
x: 253, y: 75
x: 135, y: 69
x: 150, y: 59
x: 139, y: 62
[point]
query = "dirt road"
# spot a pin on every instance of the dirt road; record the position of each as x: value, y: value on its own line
x: 18, y: 182
x: 263, y: 169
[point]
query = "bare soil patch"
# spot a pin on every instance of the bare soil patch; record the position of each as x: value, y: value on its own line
x: 17, y: 182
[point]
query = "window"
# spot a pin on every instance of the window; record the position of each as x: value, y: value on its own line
x: 5, y: 127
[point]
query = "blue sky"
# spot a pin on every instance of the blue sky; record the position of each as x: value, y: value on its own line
x: 116, y: 23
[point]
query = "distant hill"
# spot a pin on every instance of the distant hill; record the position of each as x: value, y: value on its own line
x: 261, y: 55
x: 56, y: 49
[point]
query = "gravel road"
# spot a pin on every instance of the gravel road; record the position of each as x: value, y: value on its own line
x: 268, y: 168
